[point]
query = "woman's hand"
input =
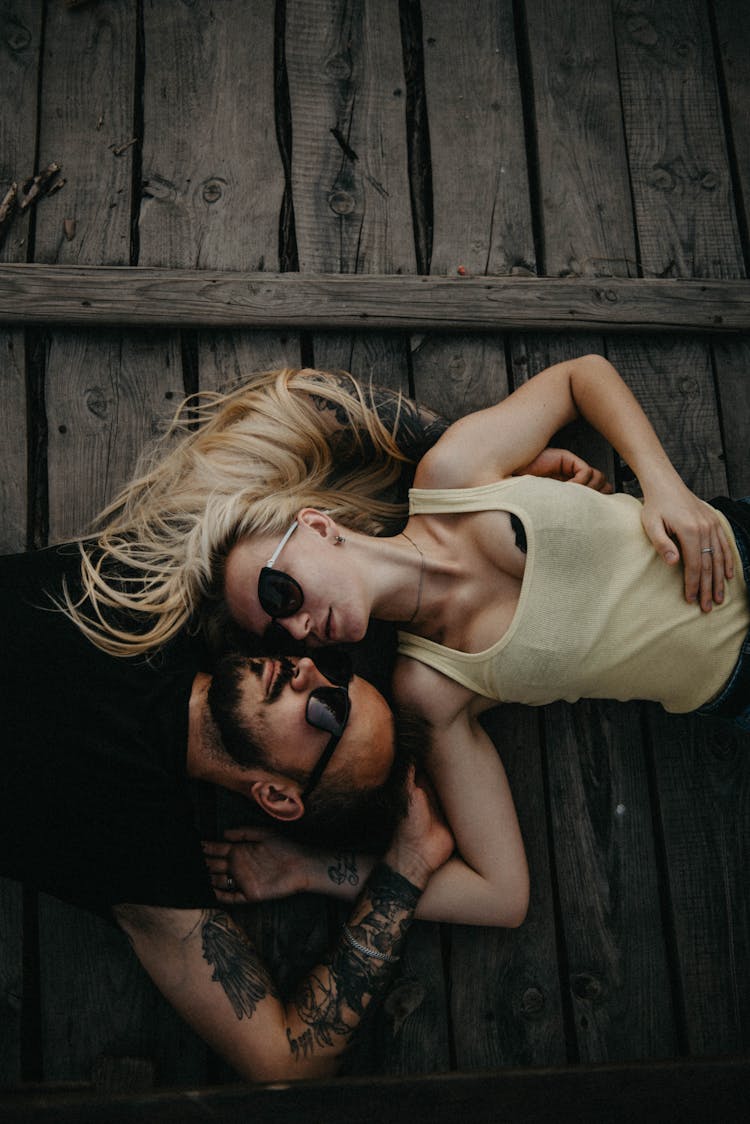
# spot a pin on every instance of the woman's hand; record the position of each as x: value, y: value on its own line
x: 561, y: 464
x: 681, y: 525
x: 260, y: 865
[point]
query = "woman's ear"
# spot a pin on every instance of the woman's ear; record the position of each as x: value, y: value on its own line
x: 317, y: 521
x: 278, y: 800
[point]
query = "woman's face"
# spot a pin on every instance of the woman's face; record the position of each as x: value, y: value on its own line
x: 333, y: 610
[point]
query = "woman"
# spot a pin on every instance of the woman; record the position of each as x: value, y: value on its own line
x: 516, y: 589
x: 313, y: 436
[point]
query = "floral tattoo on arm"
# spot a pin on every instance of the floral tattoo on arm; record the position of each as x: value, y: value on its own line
x: 333, y: 999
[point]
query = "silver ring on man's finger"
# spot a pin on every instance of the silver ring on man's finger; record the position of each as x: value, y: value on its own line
x: 230, y: 884
x: 707, y: 550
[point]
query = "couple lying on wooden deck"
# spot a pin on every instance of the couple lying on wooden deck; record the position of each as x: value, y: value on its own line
x: 518, y: 576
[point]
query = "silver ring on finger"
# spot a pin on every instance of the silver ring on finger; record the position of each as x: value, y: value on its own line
x: 707, y: 550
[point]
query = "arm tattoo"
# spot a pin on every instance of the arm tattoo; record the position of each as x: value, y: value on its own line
x: 416, y: 428
x: 235, y: 964
x: 344, y: 869
x: 331, y: 1003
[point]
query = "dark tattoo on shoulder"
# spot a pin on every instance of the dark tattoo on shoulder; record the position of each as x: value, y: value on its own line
x: 344, y: 869
x: 331, y: 1004
x: 235, y: 963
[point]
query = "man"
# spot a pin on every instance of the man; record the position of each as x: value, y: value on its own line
x: 95, y: 808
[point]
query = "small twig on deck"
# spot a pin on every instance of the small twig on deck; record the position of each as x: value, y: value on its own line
x: 43, y: 183
x: 8, y: 208
x: 118, y: 149
x: 16, y: 200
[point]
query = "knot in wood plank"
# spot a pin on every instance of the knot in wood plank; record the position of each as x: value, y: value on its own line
x: 341, y: 202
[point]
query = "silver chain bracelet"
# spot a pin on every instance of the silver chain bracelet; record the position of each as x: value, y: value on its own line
x: 372, y: 952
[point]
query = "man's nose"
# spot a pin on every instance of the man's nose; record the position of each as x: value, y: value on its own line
x: 307, y: 675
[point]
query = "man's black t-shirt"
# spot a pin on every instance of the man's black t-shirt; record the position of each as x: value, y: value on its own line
x: 95, y: 803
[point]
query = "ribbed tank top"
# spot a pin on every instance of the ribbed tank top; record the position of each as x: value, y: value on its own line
x: 600, y: 615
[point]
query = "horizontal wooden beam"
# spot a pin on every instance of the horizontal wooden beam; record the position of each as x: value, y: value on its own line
x: 61, y: 294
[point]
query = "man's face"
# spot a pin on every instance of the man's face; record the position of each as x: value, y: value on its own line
x: 273, y: 709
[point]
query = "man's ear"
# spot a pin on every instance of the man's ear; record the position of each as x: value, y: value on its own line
x: 278, y: 800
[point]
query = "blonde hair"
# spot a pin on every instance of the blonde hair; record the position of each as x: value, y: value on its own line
x: 245, y: 463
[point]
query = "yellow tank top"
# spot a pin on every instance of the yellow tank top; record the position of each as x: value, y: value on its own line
x: 600, y: 615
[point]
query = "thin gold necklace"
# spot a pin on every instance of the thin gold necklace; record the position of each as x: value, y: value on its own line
x: 421, y: 577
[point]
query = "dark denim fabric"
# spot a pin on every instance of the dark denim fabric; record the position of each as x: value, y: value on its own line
x: 733, y: 703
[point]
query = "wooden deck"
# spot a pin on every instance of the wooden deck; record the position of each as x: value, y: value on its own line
x: 574, y: 139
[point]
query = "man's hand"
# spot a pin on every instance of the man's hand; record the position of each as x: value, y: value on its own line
x: 423, y: 841
x: 262, y: 865
x: 680, y: 525
x: 561, y: 464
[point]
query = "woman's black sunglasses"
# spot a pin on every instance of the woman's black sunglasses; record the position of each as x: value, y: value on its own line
x: 328, y: 708
x: 279, y: 594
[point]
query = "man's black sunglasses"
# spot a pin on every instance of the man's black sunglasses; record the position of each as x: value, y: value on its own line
x: 279, y: 594
x: 328, y: 708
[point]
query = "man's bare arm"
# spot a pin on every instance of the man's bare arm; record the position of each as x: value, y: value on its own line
x: 211, y: 973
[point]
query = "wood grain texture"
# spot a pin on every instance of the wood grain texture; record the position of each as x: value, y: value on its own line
x: 349, y: 162
x: 38, y: 294
x: 732, y: 359
x: 704, y: 786
x: 657, y: 1091
x: 87, y: 116
x: 212, y: 173
x: 608, y: 883
x: 677, y: 155
x: 480, y: 188
x: 585, y: 207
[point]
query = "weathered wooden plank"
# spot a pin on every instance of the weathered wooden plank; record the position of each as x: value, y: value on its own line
x: 212, y: 177
x: 732, y: 359
x: 478, y: 177
x: 732, y: 23
x: 257, y: 181
x: 686, y: 226
x: 676, y: 145
x: 20, y: 33
x: 660, y: 1092
x: 704, y: 785
x: 586, y: 220
x: 38, y: 294
x: 608, y: 882
x: 349, y: 163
